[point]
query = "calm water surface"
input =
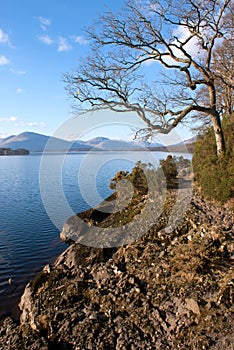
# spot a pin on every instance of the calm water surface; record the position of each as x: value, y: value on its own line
x: 28, y: 237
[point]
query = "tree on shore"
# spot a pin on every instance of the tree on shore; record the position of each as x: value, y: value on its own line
x: 223, y: 66
x: 181, y: 37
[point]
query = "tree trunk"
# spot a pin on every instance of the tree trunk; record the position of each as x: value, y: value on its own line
x: 219, y: 137
x: 229, y: 100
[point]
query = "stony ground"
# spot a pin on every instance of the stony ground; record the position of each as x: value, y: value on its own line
x: 164, y: 291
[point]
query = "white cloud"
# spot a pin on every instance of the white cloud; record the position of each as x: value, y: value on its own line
x: 149, y: 62
x: 12, y: 119
x: 4, y: 37
x: 8, y: 120
x: 63, y: 45
x: 3, y: 134
x: 19, y: 91
x: 40, y: 125
x: 193, y: 47
x: 62, y: 42
x: 17, y: 122
x: 80, y: 40
x: 18, y: 72
x: 46, y: 39
x: 180, y: 34
x: 4, y: 61
x: 44, y: 22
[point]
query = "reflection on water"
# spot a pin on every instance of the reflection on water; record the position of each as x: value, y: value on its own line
x: 28, y: 238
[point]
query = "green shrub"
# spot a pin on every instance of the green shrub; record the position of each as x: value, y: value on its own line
x: 169, y: 168
x: 137, y: 178
x: 215, y: 176
x: 166, y: 174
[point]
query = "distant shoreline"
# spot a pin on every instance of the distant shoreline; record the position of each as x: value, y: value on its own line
x: 16, y: 152
x: 188, y: 150
x: 42, y: 143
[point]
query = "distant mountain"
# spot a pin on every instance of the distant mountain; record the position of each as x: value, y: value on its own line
x: 117, y: 145
x: 97, y: 140
x: 5, y: 139
x: 150, y: 144
x: 187, y: 142
x: 28, y: 140
x: 87, y: 145
x: 78, y: 145
x: 183, y: 146
x: 35, y: 142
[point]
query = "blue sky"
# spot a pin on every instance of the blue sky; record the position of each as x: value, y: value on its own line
x: 40, y: 40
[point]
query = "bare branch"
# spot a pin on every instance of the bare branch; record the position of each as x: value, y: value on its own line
x: 180, y: 36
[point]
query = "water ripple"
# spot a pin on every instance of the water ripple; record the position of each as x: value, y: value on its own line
x: 28, y: 239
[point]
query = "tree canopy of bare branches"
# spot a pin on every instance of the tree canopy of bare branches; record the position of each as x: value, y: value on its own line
x: 223, y: 67
x: 180, y: 36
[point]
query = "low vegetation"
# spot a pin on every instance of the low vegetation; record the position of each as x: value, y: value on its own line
x: 168, y: 173
x: 214, y: 175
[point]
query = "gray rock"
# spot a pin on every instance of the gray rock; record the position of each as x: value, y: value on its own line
x: 168, y: 290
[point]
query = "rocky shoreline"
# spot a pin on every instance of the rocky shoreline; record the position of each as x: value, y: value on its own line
x: 166, y: 290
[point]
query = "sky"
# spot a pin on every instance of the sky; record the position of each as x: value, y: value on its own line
x: 40, y: 40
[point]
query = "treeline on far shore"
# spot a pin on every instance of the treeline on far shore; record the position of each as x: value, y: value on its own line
x: 11, y: 152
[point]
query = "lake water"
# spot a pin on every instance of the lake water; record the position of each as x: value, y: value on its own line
x: 32, y: 211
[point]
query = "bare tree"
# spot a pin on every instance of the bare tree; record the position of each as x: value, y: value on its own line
x: 181, y: 37
x: 223, y: 67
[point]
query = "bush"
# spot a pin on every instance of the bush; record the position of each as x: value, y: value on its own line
x: 169, y: 168
x: 215, y: 176
x: 137, y: 178
x: 173, y: 168
x: 167, y: 173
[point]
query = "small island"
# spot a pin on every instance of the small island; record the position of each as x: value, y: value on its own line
x: 12, y: 152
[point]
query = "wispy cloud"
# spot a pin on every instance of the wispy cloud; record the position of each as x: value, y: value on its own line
x: 80, y: 40
x: 18, y: 72
x: 63, y: 42
x: 4, y: 37
x: 18, y: 122
x: 3, y: 61
x: 19, y: 91
x: 3, y: 134
x: 192, y: 47
x: 8, y: 120
x: 44, y: 22
x: 63, y: 45
x: 40, y: 125
x: 46, y: 39
x: 149, y: 62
